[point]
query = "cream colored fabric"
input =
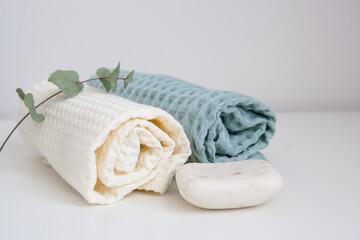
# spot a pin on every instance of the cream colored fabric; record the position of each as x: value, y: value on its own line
x: 106, y: 146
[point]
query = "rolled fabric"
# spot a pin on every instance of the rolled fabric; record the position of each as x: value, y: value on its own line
x: 222, y: 126
x: 106, y: 146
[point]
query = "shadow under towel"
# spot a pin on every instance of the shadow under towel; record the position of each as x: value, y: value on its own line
x: 222, y: 126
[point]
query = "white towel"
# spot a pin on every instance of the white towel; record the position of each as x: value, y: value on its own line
x: 106, y: 146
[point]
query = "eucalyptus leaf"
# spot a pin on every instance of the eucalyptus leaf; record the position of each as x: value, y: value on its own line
x: 114, y: 76
x: 29, y: 103
x: 20, y: 93
x: 103, y: 74
x: 67, y: 81
x: 129, y: 78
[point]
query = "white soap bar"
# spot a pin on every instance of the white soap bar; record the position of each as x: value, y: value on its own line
x: 228, y: 185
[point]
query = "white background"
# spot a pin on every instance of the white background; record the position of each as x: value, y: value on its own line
x: 292, y: 55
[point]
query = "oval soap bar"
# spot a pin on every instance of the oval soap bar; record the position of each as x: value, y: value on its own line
x: 228, y: 185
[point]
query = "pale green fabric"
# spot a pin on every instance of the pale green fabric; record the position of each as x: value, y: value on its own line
x: 222, y: 126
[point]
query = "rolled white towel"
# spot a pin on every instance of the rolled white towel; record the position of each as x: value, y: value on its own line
x: 103, y: 145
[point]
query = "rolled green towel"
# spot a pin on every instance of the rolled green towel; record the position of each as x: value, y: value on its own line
x: 222, y: 126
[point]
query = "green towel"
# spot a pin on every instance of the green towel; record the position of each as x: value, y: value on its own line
x: 222, y: 126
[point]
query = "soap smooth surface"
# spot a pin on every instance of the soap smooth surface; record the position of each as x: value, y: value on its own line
x: 228, y: 185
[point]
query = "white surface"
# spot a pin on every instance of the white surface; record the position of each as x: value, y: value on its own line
x: 278, y: 51
x: 228, y: 185
x: 316, y: 153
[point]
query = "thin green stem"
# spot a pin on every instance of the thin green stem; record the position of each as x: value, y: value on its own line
x: 91, y: 79
x: 18, y: 124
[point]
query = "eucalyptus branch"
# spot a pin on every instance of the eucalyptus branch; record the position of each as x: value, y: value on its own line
x: 7, y: 138
x: 69, y: 84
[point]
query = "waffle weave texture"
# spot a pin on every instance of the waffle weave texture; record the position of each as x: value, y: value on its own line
x: 222, y: 126
x: 106, y: 146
